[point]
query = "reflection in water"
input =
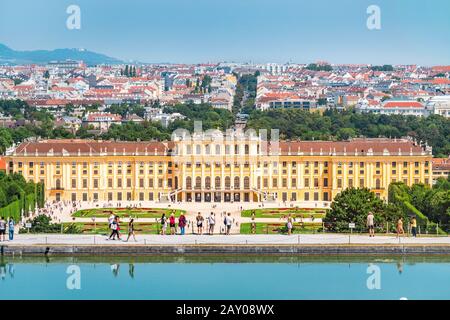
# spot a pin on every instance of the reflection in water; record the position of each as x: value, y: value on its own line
x: 400, y: 267
x: 115, y: 269
x: 131, y: 270
x: 6, y: 269
x: 307, y: 277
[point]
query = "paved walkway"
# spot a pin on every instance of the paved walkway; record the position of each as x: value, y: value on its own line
x: 317, y: 239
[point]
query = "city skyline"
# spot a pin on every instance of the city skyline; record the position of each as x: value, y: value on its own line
x: 260, y: 32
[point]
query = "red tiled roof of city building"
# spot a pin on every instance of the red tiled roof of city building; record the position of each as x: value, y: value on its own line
x: 441, y: 163
x: 403, y: 104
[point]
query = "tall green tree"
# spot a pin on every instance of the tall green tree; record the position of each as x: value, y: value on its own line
x: 352, y: 206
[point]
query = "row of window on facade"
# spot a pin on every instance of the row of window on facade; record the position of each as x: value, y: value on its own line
x: 308, y: 183
x: 208, y: 197
x: 129, y: 165
x: 219, y: 150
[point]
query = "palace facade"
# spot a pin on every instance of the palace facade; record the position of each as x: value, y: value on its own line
x: 208, y: 170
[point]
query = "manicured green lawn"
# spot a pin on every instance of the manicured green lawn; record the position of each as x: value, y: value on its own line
x: 126, y: 212
x: 271, y: 228
x: 280, y: 212
x: 103, y: 228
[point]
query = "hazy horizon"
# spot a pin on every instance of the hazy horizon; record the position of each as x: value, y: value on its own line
x: 257, y: 31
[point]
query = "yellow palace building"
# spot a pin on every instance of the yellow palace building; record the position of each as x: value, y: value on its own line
x: 226, y: 170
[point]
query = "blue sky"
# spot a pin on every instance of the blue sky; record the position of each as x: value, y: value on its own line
x: 190, y: 31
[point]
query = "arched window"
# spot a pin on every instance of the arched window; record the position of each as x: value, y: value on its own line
x: 208, y: 182
x: 227, y: 182
x: 217, y: 182
x: 188, y: 182
x: 198, y: 182
x: 58, y: 184
x: 378, y: 184
x: 208, y: 149
x: 198, y: 149
x: 246, y: 183
x: 237, y: 182
x: 247, y: 149
x: 217, y: 148
x: 259, y: 182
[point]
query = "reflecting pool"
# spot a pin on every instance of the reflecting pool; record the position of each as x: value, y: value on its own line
x: 225, y: 277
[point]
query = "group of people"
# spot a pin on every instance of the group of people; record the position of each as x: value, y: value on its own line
x: 6, y: 224
x: 114, y: 226
x: 399, y: 226
x: 182, y: 223
x: 202, y: 225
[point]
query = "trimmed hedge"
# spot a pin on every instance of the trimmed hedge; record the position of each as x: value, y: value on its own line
x: 14, y: 209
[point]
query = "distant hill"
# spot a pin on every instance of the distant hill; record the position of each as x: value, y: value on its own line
x: 13, y: 57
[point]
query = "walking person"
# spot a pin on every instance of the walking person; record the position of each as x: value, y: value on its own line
x: 163, y: 222
x: 289, y: 225
x: 228, y: 223
x: 113, y: 226
x: 199, y: 220
x: 2, y: 228
x: 370, y: 224
x: 110, y: 219
x: 11, y: 224
x: 172, y: 223
x: 212, y: 223
x: 182, y: 223
x: 400, y: 227
x: 414, y: 227
x: 131, y: 230
x: 117, y: 220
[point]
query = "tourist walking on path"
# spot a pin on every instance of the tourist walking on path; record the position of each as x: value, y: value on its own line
x: 131, y: 230
x: 228, y: 223
x: 2, y: 228
x: 117, y: 219
x: 289, y: 225
x: 163, y: 222
x: 370, y: 224
x: 199, y: 224
x: 400, y: 227
x: 110, y: 219
x: 114, y: 226
x: 182, y: 223
x: 212, y: 223
x: 414, y: 227
x: 11, y: 228
x: 172, y: 223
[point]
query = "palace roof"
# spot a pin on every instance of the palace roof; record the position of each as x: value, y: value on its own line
x: 355, y: 147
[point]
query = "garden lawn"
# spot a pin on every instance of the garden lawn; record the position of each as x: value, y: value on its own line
x: 281, y: 212
x: 126, y: 212
x: 103, y: 228
x: 273, y: 228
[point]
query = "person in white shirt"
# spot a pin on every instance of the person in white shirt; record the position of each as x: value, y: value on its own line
x: 212, y: 223
x: 228, y: 223
x: 370, y: 224
x: 111, y: 219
